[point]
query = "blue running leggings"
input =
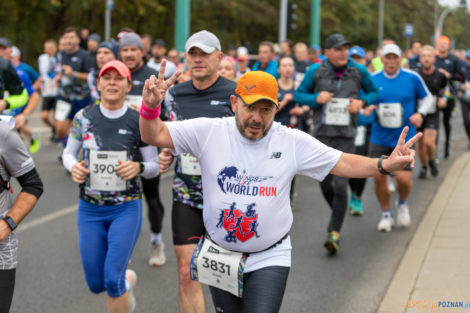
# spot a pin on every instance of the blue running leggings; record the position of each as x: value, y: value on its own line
x: 262, y: 292
x: 106, y: 236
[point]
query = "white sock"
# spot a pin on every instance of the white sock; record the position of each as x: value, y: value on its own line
x: 156, y: 238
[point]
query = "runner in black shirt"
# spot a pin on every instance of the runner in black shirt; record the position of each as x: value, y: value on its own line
x: 451, y: 67
x: 131, y: 49
x: 74, y: 93
x: 436, y: 83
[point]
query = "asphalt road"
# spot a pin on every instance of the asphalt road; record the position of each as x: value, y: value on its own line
x: 50, y: 277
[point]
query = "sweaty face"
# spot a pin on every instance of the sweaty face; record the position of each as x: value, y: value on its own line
x: 392, y: 63
x: 427, y: 58
x: 254, y: 121
x: 103, y: 56
x: 227, y: 70
x: 113, y: 86
x: 132, y: 57
x: 202, y: 65
x: 338, y: 56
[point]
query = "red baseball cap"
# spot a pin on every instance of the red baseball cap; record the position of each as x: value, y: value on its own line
x: 120, y: 67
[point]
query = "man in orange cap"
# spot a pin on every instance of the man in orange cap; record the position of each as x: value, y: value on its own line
x: 247, y: 164
x: 449, y: 65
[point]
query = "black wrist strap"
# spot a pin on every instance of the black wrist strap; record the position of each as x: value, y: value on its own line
x: 379, y: 165
x: 11, y: 223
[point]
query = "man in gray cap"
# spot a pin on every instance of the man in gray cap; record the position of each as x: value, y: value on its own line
x: 131, y: 51
x: 206, y: 95
x: 92, y: 45
x: 332, y: 89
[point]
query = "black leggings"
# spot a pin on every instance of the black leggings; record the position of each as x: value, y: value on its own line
x: 446, y: 115
x: 335, y: 188
x: 263, y: 291
x: 7, y: 285
x: 466, y: 116
x: 155, y: 206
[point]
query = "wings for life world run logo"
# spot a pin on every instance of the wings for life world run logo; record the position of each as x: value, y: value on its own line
x: 240, y: 225
x: 233, y: 181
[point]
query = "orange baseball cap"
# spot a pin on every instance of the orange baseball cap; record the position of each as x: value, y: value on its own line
x: 255, y: 86
x: 443, y: 38
x: 120, y: 67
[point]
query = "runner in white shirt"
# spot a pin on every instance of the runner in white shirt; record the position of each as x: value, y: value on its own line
x: 247, y: 165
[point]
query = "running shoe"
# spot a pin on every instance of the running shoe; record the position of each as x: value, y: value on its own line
x: 423, y: 172
x: 403, y: 216
x: 433, y: 168
x: 391, y: 184
x: 35, y: 145
x: 355, y: 206
x: 332, y: 243
x: 386, y: 223
x: 157, y: 254
x: 131, y: 280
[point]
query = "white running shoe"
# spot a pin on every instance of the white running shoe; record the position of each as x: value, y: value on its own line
x: 385, y: 224
x: 131, y: 280
x: 157, y: 255
x: 391, y: 184
x: 403, y: 216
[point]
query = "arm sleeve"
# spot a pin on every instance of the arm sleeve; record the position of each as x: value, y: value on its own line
x: 371, y: 92
x: 150, y: 160
x: 313, y: 158
x: 31, y: 183
x: 71, y: 153
x: 303, y: 95
x: 190, y: 135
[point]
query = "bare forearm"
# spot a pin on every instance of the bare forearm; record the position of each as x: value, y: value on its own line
x: 82, y: 76
x: 155, y: 133
x: 355, y: 166
x: 24, y: 203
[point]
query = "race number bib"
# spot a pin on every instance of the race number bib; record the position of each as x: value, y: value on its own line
x: 361, y: 134
x: 189, y: 164
x: 218, y: 267
x: 390, y: 115
x: 133, y: 101
x: 336, y: 112
x: 103, y: 175
x: 62, y: 110
x: 433, y: 108
x: 49, y: 87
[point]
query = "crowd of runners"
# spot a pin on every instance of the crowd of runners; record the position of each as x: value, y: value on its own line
x: 240, y: 123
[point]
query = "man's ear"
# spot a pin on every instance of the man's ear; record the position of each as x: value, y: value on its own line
x: 233, y: 101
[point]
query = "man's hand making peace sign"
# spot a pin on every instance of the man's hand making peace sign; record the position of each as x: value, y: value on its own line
x: 156, y: 88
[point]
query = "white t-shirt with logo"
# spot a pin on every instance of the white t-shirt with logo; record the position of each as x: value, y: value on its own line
x: 247, y: 183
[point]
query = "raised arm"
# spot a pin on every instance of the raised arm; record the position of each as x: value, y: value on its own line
x: 153, y: 130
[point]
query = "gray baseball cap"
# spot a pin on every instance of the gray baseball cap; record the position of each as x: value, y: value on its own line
x: 131, y: 40
x: 5, y: 42
x: 203, y: 40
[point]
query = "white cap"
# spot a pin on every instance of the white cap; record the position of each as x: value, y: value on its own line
x: 391, y: 48
x: 203, y: 40
x: 242, y: 51
x: 15, y: 52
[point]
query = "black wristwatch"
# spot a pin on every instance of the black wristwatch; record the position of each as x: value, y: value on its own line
x: 11, y: 223
x: 379, y: 165
x: 142, y: 167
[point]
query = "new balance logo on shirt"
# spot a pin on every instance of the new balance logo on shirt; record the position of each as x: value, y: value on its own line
x: 276, y: 155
